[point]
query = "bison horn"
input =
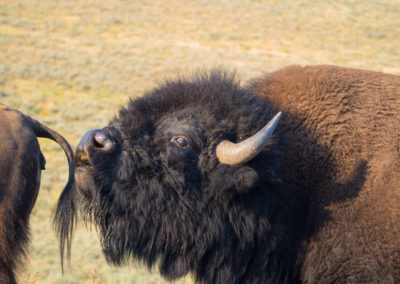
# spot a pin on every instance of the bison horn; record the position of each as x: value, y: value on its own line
x: 238, y: 153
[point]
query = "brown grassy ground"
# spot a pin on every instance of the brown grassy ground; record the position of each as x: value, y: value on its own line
x: 71, y: 64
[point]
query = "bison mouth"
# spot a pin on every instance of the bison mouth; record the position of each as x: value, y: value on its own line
x: 83, y: 174
x: 83, y: 177
x: 82, y: 160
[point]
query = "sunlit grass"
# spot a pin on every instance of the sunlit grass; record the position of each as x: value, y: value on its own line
x: 72, y: 64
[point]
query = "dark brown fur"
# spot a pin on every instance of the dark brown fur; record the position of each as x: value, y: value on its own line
x: 21, y: 162
x: 342, y: 140
x: 319, y: 204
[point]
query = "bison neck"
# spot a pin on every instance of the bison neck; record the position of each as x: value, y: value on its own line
x: 260, y: 243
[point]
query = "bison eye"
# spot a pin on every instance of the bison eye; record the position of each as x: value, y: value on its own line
x: 181, y: 141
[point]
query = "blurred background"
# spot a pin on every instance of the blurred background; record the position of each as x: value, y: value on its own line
x: 72, y: 64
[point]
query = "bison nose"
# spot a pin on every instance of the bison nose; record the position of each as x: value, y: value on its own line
x: 101, y: 141
x: 93, y: 141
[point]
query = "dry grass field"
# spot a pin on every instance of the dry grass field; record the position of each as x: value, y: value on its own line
x: 71, y: 64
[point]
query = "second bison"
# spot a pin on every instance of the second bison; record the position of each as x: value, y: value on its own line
x: 183, y: 177
x: 21, y: 163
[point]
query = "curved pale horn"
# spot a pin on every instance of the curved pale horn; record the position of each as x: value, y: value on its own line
x: 238, y: 153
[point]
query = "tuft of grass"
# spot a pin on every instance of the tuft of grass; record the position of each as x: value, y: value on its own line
x: 72, y: 64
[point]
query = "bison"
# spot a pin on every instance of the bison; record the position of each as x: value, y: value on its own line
x: 199, y: 177
x: 21, y: 162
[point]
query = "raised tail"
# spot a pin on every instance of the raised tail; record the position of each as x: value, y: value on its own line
x: 65, y: 217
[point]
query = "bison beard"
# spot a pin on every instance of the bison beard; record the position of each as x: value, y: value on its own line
x: 319, y: 203
x: 21, y: 162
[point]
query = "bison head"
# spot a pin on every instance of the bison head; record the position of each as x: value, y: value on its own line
x: 160, y: 184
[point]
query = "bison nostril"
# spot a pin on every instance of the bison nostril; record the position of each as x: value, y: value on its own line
x: 102, y: 141
x: 93, y: 140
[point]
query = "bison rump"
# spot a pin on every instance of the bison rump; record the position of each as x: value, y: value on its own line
x: 21, y: 162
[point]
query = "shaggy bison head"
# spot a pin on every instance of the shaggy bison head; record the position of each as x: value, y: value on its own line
x: 167, y: 181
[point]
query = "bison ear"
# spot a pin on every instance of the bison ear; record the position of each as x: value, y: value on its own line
x: 245, y: 179
x: 233, y: 180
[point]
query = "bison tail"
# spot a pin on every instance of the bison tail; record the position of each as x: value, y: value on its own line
x: 66, y: 213
x: 64, y: 221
